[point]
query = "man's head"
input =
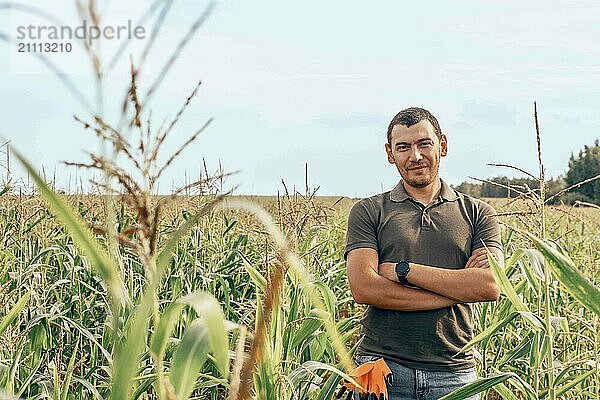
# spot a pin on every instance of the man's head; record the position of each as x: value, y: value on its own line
x: 413, y: 115
x: 415, y: 145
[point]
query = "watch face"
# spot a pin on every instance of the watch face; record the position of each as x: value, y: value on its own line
x: 402, y: 268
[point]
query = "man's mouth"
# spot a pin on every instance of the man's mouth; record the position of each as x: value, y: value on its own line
x: 419, y: 167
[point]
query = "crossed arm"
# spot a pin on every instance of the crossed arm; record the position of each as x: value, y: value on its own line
x: 376, y: 284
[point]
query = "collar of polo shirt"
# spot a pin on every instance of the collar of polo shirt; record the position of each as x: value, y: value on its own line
x: 398, y: 194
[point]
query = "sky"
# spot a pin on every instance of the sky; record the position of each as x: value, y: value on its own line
x: 292, y: 83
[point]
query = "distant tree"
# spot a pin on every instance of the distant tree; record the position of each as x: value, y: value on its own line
x: 512, y: 187
x: 554, y: 186
x: 501, y: 186
x: 471, y: 189
x: 489, y: 189
x: 585, y: 166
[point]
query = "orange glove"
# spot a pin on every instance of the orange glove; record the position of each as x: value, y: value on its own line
x: 371, y: 378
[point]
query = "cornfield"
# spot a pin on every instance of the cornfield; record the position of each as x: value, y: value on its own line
x: 221, y: 309
x: 126, y: 294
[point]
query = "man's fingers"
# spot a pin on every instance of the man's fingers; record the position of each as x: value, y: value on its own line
x: 478, y: 252
x: 472, y: 260
x: 479, y: 259
x: 483, y: 251
x: 478, y: 262
x: 471, y: 263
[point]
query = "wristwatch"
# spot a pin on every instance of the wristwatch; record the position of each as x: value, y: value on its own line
x: 402, y: 269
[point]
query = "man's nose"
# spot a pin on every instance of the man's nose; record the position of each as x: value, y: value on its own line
x: 415, y: 154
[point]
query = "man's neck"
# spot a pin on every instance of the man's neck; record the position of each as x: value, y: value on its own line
x: 424, y: 195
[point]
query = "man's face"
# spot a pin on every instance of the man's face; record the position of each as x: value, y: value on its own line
x: 416, y: 152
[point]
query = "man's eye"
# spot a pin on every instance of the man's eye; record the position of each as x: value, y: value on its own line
x: 425, y: 144
x: 401, y: 148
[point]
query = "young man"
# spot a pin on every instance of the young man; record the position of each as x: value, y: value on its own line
x: 416, y: 256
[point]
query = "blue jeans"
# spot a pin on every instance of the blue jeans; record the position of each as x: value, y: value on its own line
x: 416, y: 384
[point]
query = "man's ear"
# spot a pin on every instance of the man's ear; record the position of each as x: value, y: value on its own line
x: 444, y: 145
x: 388, y: 151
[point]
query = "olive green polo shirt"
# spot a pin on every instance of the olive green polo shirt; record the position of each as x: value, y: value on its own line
x: 442, y: 234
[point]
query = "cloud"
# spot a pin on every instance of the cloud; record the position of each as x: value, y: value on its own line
x: 567, y: 118
x: 462, y: 125
x: 354, y: 120
x: 489, y: 113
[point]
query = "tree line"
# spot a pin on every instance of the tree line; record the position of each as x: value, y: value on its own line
x: 584, y: 166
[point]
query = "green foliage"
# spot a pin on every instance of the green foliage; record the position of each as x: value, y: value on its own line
x: 471, y: 189
x: 60, y: 343
x: 504, y: 187
x: 568, y: 274
x: 518, y: 185
x: 13, y: 313
x: 480, y: 385
x: 585, y: 166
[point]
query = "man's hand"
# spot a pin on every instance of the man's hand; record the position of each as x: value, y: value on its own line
x: 479, y: 258
x: 388, y: 270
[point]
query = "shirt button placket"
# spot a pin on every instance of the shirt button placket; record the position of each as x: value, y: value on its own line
x: 425, y: 220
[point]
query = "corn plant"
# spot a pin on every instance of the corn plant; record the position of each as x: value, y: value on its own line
x: 546, y: 298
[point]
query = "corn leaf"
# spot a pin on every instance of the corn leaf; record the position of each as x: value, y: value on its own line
x: 327, y: 296
x: 505, y: 392
x: 308, y: 327
x: 532, y: 319
x: 66, y: 384
x: 14, y: 312
x: 329, y: 388
x: 128, y: 352
x: 574, y: 382
x: 572, y: 279
x: 166, y: 251
x: 210, y: 312
x: 190, y: 356
x: 308, y: 369
x: 168, y: 318
x: 504, y: 283
x: 478, y: 386
x: 255, y: 275
x: 82, y: 236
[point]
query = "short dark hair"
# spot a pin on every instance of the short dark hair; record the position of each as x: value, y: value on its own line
x: 410, y: 116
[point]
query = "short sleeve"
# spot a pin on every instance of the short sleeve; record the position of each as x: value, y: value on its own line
x: 362, y: 228
x: 487, y: 228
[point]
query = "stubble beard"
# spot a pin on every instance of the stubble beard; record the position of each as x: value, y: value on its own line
x: 419, y: 183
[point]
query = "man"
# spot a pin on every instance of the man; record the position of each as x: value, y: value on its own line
x: 416, y: 255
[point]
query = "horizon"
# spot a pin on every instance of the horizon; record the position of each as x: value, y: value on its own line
x: 24, y: 183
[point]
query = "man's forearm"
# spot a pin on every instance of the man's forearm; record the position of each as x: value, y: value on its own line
x: 463, y: 285
x: 369, y: 287
x: 383, y: 293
